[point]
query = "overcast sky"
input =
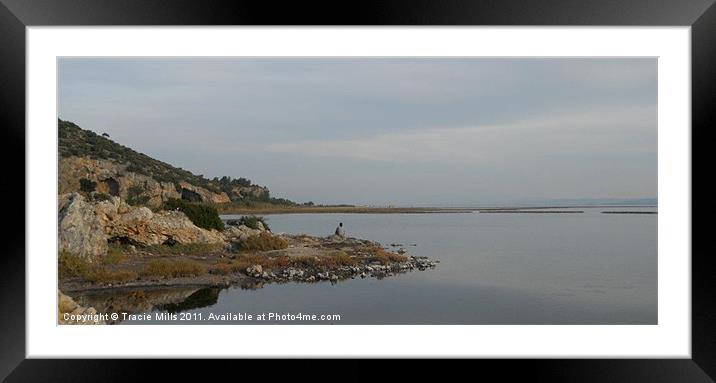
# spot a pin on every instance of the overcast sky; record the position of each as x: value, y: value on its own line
x: 384, y: 130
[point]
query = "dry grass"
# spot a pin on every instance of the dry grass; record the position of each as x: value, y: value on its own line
x: 243, y: 261
x: 73, y: 266
x: 333, y: 259
x: 384, y: 257
x: 102, y: 275
x: 179, y: 248
x: 115, y: 255
x: 263, y: 242
x: 173, y: 269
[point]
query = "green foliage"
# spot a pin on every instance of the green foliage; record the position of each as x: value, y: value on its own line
x: 250, y: 221
x: 135, y: 196
x: 201, y: 215
x: 87, y: 186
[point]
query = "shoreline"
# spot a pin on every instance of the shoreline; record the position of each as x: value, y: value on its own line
x: 407, y: 210
x: 307, y: 259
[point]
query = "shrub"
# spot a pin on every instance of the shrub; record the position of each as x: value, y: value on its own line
x: 201, y: 215
x: 87, y: 186
x: 71, y: 265
x: 263, y: 242
x: 136, y: 197
x: 173, y: 269
x: 250, y: 221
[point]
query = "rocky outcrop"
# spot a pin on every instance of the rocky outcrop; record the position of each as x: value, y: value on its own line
x: 240, y: 233
x: 80, y: 231
x: 198, y: 194
x: 85, y: 227
x: 69, y: 312
x: 141, y: 226
x: 113, y: 179
x: 253, y: 191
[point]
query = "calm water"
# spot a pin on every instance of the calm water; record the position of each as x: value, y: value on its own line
x: 588, y: 268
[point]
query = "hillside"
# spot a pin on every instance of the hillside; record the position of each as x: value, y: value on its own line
x: 81, y: 149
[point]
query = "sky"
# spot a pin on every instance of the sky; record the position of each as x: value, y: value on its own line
x: 384, y: 131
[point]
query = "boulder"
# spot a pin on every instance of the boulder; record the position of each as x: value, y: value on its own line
x: 143, y: 227
x: 254, y: 271
x: 199, y: 194
x: 66, y: 305
x: 239, y: 233
x: 80, y: 231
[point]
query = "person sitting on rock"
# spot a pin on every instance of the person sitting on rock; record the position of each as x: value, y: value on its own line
x: 339, y: 230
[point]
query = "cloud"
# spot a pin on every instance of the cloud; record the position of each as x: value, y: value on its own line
x: 597, y: 131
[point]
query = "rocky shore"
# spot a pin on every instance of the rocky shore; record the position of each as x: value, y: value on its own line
x: 108, y: 244
x: 371, y: 269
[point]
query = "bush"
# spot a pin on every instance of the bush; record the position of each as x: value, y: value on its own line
x: 135, y: 196
x: 250, y: 221
x: 201, y: 215
x: 87, y: 186
x: 71, y: 265
x: 263, y: 242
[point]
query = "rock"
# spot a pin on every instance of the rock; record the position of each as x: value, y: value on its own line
x: 253, y: 191
x: 141, y: 226
x: 80, y: 231
x: 254, y: 270
x: 66, y: 305
x: 239, y: 233
x: 113, y: 179
x: 199, y: 194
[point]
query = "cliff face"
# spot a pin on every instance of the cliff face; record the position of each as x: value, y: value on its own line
x: 114, y: 179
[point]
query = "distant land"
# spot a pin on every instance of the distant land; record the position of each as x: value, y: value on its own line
x: 88, y: 159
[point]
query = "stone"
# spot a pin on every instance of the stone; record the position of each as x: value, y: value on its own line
x: 199, y: 194
x: 66, y: 305
x: 113, y: 179
x: 80, y: 231
x: 254, y: 270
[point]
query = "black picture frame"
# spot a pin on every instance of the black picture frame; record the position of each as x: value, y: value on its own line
x: 16, y: 15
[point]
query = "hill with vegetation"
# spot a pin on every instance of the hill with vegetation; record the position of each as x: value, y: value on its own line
x: 74, y: 141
